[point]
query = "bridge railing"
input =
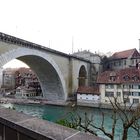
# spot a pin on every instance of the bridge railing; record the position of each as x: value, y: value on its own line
x: 14, y: 40
x: 18, y: 126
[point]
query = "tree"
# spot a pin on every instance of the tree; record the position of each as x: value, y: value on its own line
x: 128, y: 115
x: 105, y: 63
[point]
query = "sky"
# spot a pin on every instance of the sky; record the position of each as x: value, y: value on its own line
x: 95, y: 25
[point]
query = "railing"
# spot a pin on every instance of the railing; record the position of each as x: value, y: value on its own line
x: 18, y: 126
x: 14, y: 40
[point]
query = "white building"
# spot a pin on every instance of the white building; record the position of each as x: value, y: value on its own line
x: 88, y: 94
x: 123, y: 84
x: 23, y: 92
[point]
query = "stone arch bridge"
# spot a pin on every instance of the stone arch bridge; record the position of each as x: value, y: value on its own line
x: 59, y: 73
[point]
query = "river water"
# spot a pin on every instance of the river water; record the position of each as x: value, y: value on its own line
x: 54, y: 113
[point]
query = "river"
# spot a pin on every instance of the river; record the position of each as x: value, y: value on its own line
x: 54, y: 113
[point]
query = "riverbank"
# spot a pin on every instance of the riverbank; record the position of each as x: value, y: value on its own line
x: 5, y: 100
x: 106, y: 105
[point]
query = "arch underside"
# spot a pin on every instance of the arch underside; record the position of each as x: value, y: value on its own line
x: 82, y: 76
x: 50, y: 82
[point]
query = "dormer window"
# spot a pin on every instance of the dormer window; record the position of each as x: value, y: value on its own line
x: 135, y: 78
x: 126, y: 78
x: 112, y: 78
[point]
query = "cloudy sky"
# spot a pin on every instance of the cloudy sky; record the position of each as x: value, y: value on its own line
x: 95, y: 25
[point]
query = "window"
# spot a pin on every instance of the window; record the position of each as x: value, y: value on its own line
x: 132, y: 62
x: 110, y: 86
x: 119, y: 63
x: 126, y: 77
x: 124, y: 62
x: 109, y: 94
x: 125, y: 93
x: 118, y: 86
x: 118, y: 93
x: 126, y: 100
x: 135, y: 78
x: 135, y: 101
x: 135, y: 86
x: 135, y: 93
x: 112, y: 78
x: 126, y: 86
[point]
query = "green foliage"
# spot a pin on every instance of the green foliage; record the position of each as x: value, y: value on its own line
x: 75, y: 121
x: 68, y: 121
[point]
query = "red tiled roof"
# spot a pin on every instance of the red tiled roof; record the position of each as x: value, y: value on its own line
x: 89, y: 90
x: 128, y: 75
x: 125, y: 54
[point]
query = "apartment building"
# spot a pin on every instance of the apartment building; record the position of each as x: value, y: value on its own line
x: 123, y: 84
x: 124, y: 59
x: 20, y: 77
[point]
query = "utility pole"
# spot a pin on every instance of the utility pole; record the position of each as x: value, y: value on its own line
x: 72, y: 44
x: 139, y: 45
x: 49, y: 44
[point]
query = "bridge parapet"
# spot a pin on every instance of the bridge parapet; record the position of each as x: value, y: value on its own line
x: 21, y: 42
x: 18, y: 126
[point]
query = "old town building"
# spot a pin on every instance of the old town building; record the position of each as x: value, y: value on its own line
x: 88, y: 94
x: 14, y: 78
x: 123, y: 59
x: 123, y: 84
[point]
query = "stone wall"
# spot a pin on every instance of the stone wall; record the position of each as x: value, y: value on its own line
x: 18, y: 126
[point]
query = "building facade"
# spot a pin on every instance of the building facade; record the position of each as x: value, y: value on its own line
x: 122, y: 84
x: 123, y: 59
x: 88, y: 94
x: 23, y: 92
x: 20, y: 77
x: 8, y: 78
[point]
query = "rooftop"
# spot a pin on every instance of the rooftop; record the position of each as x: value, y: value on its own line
x: 126, y: 54
x: 89, y: 90
x: 127, y: 75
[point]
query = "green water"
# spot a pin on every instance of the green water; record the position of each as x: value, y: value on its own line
x: 54, y: 113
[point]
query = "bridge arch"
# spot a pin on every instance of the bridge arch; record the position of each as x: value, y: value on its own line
x: 82, y: 76
x: 49, y: 74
